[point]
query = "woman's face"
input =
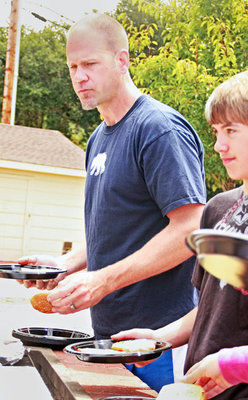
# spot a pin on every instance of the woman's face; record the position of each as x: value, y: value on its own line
x: 232, y: 146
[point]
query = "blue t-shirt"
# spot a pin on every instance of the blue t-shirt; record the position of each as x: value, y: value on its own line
x: 138, y: 170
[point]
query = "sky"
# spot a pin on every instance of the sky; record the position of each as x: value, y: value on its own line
x: 53, y: 10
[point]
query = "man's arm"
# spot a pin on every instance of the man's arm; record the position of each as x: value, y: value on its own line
x: 163, y: 252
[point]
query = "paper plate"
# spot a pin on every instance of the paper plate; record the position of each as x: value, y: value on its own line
x: 101, y: 355
x: 222, y: 254
x: 29, y: 272
x: 49, y: 337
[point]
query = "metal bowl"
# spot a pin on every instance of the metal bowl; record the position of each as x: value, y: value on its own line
x: 222, y: 254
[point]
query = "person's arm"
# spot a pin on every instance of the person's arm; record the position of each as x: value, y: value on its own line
x: 177, y: 333
x: 207, y: 374
x: 233, y: 364
x: 163, y: 252
x: 72, y: 261
x: 219, y: 371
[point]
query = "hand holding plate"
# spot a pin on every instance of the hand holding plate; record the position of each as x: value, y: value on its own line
x: 41, y: 260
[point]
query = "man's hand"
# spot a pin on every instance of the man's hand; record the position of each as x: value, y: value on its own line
x: 77, y: 292
x: 42, y: 260
x: 207, y: 374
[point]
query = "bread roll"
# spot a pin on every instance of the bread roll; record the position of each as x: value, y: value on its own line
x: 182, y: 391
x: 39, y: 302
x: 132, y: 346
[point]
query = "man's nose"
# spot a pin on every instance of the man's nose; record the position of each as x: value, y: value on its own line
x: 80, y: 74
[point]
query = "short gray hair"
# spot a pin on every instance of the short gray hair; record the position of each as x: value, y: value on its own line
x: 115, y: 34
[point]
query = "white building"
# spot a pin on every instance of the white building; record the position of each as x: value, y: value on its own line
x: 42, y: 180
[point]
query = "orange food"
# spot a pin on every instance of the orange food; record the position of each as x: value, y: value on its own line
x: 39, y: 302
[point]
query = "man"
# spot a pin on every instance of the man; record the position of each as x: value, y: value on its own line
x: 144, y: 193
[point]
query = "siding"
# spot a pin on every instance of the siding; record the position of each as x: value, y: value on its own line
x: 39, y: 212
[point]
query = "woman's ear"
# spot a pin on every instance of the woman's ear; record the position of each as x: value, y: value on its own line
x: 122, y: 60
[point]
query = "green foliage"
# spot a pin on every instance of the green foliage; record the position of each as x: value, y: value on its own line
x: 204, y: 43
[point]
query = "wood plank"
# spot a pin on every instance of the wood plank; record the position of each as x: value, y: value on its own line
x: 71, y: 379
x: 56, y: 376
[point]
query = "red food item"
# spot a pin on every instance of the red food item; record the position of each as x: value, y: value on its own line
x: 39, y: 302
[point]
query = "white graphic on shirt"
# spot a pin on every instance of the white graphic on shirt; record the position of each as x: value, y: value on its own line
x: 98, y: 164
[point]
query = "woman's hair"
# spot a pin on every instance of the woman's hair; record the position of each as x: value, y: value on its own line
x: 229, y: 101
x: 109, y: 28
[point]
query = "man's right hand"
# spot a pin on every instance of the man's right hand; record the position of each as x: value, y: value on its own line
x: 42, y: 260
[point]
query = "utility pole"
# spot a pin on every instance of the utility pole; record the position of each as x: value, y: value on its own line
x: 11, y: 66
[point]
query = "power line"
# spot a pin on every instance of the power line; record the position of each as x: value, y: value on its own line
x: 43, y: 19
x: 50, y: 9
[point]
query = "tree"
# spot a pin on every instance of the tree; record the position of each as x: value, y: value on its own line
x: 204, y: 43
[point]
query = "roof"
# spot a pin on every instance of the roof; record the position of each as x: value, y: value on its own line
x: 39, y: 146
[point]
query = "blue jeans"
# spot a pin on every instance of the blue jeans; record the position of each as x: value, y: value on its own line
x: 156, y: 374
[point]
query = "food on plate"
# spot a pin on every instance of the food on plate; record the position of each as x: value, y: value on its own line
x: 131, y: 346
x: 186, y: 391
x: 39, y: 302
x: 124, y: 346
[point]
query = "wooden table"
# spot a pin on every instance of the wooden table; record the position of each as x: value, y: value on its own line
x: 71, y: 379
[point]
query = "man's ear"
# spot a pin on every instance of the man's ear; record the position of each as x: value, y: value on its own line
x: 122, y: 60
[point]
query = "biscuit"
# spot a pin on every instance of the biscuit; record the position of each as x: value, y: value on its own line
x: 131, y: 346
x: 39, y: 302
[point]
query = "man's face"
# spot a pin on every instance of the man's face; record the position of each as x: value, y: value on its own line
x: 93, y: 69
x: 232, y: 146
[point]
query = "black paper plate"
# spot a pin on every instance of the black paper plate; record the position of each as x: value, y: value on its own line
x: 222, y: 254
x: 120, y: 357
x: 49, y: 337
x: 29, y: 272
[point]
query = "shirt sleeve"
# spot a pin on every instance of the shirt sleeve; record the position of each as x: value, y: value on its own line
x: 233, y: 364
x: 173, y: 171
